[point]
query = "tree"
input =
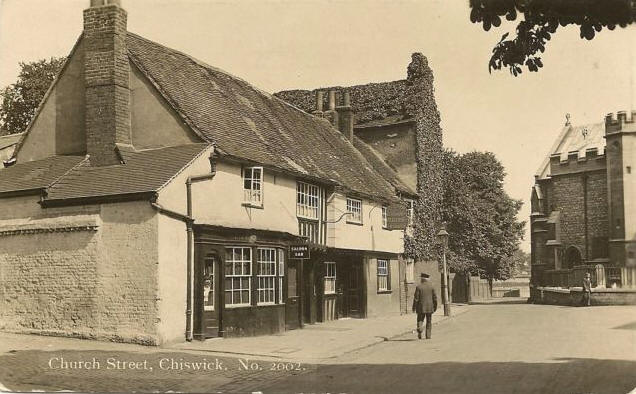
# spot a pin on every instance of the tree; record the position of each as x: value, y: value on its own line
x: 480, y: 216
x: 21, y: 99
x: 542, y: 18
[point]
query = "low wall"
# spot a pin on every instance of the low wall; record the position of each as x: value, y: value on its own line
x: 573, y: 296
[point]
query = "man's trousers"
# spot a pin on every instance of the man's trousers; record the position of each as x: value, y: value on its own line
x: 420, y: 322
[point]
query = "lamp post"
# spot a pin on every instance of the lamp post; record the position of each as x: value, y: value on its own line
x: 442, y: 238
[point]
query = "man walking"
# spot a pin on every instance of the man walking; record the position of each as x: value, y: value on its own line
x: 587, y: 290
x: 424, y: 304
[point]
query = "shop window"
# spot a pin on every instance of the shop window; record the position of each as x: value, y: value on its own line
x: 330, y: 277
x: 410, y: 268
x: 208, y: 283
x: 354, y: 208
x: 385, y: 222
x: 307, y: 200
x: 238, y: 281
x: 253, y: 186
x: 266, y: 275
x: 384, y: 282
x: 281, y: 275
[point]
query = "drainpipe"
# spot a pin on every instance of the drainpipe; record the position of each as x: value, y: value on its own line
x: 587, y: 241
x: 190, y: 254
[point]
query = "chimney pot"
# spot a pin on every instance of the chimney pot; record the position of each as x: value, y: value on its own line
x: 332, y: 100
x: 319, y: 95
x: 347, y: 99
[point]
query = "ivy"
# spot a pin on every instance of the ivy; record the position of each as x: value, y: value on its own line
x: 420, y: 105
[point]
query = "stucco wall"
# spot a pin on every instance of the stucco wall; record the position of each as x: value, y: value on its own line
x: 85, y: 271
x: 172, y: 279
x: 153, y: 123
x: 219, y: 201
x: 59, y: 126
x: 385, y: 303
x: 368, y: 236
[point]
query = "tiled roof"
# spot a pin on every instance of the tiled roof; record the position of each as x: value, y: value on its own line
x: 378, y: 163
x: 38, y: 174
x: 574, y: 139
x: 145, y: 171
x: 247, y: 123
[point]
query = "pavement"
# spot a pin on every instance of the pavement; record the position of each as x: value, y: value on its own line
x: 320, y: 341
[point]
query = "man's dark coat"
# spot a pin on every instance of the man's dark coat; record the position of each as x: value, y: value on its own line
x: 425, y: 299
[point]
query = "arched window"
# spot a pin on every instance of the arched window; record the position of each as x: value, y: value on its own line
x: 572, y: 257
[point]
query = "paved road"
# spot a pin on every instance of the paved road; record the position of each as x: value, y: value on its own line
x: 489, y: 349
x: 494, y: 349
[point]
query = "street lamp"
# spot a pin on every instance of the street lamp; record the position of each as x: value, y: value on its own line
x: 442, y: 238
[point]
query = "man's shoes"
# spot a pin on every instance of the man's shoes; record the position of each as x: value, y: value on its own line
x: 419, y: 335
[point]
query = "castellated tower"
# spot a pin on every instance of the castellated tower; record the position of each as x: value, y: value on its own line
x: 620, y: 135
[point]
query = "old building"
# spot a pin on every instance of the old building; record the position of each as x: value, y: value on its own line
x: 583, y: 212
x: 154, y: 198
x: 403, y: 145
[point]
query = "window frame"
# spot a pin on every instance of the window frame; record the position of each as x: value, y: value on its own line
x: 269, y: 278
x: 410, y: 210
x: 385, y: 217
x: 233, y: 275
x: 386, y: 274
x: 250, y: 201
x: 354, y: 219
x: 281, y: 275
x: 409, y: 273
x: 305, y: 198
x: 330, y: 278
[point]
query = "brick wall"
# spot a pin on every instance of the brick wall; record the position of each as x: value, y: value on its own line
x: 106, y: 75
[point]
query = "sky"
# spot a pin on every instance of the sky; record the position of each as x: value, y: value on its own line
x: 300, y: 44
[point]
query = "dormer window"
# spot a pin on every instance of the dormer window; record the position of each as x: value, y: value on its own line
x: 253, y: 186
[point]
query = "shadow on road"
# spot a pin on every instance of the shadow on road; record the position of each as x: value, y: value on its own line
x: 28, y: 370
x: 561, y: 376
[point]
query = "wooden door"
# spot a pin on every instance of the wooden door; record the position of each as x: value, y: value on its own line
x: 292, y: 305
x: 353, y: 292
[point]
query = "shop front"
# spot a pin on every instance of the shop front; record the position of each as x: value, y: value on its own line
x: 244, y: 282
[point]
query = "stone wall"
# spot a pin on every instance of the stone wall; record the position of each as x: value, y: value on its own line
x: 85, y: 271
x: 569, y: 194
x: 573, y: 297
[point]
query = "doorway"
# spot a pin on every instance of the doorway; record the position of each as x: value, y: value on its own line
x: 207, y: 293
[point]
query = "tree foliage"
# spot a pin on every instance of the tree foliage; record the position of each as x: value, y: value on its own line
x: 541, y: 20
x: 480, y: 216
x: 21, y: 99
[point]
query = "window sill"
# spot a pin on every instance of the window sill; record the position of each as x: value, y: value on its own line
x: 252, y: 205
x: 385, y: 291
x: 354, y: 223
x: 237, y: 306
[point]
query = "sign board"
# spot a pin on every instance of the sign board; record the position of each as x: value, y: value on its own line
x: 396, y: 216
x: 299, y: 251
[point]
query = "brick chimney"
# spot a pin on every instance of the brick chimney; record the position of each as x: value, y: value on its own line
x: 106, y: 77
x: 345, y: 116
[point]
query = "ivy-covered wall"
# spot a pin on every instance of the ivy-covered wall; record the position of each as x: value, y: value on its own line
x: 390, y: 103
